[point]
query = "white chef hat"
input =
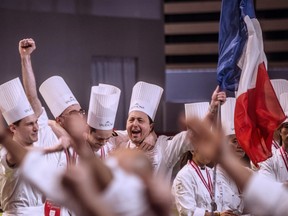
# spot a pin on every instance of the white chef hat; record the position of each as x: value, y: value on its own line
x: 104, y: 100
x: 146, y: 98
x: 280, y: 86
x: 14, y: 104
x: 196, y: 109
x: 284, y: 104
x: 227, y: 116
x: 57, y: 95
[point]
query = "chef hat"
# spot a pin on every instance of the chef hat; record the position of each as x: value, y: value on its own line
x: 227, y: 116
x: 14, y: 104
x: 196, y: 109
x: 104, y: 100
x: 57, y: 95
x: 280, y: 86
x: 284, y: 104
x: 145, y: 98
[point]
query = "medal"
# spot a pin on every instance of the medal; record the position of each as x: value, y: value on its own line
x: 214, y: 206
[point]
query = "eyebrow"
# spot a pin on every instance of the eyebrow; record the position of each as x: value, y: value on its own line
x: 74, y: 110
x: 132, y: 117
x: 31, y: 122
x: 98, y: 137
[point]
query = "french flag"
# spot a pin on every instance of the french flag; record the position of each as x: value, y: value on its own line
x: 242, y: 67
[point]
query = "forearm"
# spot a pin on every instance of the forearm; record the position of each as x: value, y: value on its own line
x: 211, y: 115
x: 16, y: 152
x: 52, y: 149
x: 29, y: 83
x: 57, y: 129
x: 218, y: 97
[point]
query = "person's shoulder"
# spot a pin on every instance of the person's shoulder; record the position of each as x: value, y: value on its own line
x: 164, y: 137
x: 186, y: 170
x: 186, y: 176
x: 171, y: 137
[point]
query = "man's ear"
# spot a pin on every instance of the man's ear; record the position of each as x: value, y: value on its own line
x: 151, y: 127
x: 12, y: 128
x: 58, y: 120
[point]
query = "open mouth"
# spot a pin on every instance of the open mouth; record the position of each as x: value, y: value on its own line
x: 136, y: 132
x: 240, y: 151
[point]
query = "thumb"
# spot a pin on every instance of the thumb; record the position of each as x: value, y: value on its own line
x: 217, y: 89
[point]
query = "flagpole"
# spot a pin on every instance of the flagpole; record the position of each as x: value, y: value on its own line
x: 218, y: 128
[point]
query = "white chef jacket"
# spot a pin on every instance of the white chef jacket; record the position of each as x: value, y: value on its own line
x: 227, y: 190
x: 18, y: 196
x: 167, y: 152
x: 265, y: 197
x: 191, y: 196
x: 274, y: 167
x: 275, y: 146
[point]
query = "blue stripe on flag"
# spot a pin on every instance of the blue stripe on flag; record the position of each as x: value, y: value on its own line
x: 232, y: 38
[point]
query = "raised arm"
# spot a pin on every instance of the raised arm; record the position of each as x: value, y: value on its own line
x: 218, y: 97
x: 26, y: 47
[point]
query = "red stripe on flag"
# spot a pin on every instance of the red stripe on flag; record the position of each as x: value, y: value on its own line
x: 257, y: 114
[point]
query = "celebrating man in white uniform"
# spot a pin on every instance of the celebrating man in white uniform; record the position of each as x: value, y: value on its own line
x: 18, y: 197
x: 104, y: 100
x: 143, y: 106
x: 67, y: 111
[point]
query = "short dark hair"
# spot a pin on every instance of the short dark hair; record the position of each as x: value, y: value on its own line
x: 150, y: 120
x: 17, y: 122
x: 92, y: 129
x: 187, y: 156
x: 278, y: 131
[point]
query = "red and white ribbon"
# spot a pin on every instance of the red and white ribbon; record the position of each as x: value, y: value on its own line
x: 208, y: 184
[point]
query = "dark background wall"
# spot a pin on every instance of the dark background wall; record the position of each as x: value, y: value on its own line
x: 67, y: 40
